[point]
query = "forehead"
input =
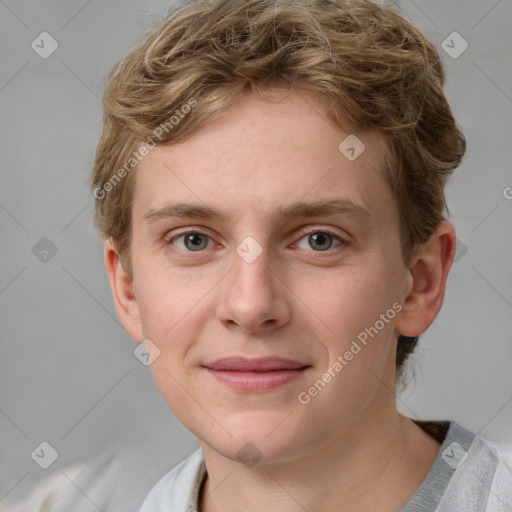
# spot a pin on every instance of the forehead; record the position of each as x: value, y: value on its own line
x: 260, y: 158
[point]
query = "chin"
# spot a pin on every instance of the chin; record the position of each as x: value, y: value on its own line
x: 257, y: 442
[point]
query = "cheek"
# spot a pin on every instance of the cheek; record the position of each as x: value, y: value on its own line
x: 353, y: 318
x: 174, y: 321
x: 357, y: 344
x: 175, y: 308
x: 345, y: 302
x: 169, y: 299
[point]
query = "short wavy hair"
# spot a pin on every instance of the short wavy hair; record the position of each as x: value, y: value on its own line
x: 360, y: 60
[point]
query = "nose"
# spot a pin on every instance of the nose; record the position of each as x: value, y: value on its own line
x: 254, y: 298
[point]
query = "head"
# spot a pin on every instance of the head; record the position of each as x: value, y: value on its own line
x: 244, y: 109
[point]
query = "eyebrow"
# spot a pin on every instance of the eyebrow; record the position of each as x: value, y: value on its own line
x: 294, y: 210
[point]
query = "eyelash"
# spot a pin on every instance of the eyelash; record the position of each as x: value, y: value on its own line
x: 170, y: 240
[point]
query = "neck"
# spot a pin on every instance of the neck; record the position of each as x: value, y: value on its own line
x: 375, y: 464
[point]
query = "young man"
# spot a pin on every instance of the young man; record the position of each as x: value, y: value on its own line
x: 270, y: 187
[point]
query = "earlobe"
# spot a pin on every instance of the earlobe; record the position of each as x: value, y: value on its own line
x: 428, y: 274
x: 121, y: 285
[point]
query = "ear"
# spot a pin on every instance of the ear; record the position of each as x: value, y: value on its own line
x: 123, y: 293
x: 428, y: 276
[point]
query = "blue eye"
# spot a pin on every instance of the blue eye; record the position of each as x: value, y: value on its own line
x: 197, y: 241
x: 193, y: 241
x: 320, y: 240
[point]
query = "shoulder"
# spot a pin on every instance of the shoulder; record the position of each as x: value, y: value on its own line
x: 498, y: 473
x: 118, y: 478
x: 482, y: 481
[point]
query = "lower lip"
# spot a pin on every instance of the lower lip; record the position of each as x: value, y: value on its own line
x: 256, y: 381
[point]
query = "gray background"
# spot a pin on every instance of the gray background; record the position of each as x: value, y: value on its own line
x: 68, y: 375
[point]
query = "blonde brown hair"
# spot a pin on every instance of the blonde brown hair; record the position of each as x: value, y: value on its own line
x: 361, y: 60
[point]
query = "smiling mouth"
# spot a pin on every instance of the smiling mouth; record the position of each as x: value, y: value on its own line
x: 253, y: 375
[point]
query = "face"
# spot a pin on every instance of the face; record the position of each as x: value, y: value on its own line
x: 265, y: 269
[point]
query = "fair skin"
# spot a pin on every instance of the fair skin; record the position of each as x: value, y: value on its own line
x: 348, y: 448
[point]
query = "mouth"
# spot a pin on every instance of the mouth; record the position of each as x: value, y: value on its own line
x: 253, y: 375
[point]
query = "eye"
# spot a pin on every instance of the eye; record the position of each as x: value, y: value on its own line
x: 191, y: 241
x: 320, y: 240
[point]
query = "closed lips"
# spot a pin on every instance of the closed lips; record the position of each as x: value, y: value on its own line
x: 254, y: 365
